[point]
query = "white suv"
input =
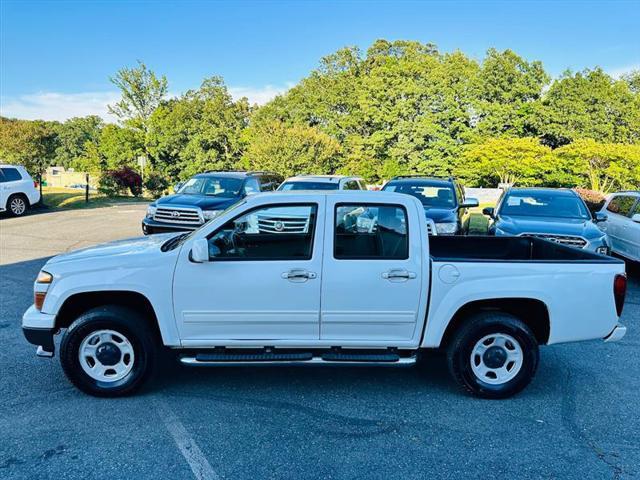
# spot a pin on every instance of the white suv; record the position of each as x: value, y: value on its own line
x: 322, y: 182
x: 623, y: 223
x: 18, y: 191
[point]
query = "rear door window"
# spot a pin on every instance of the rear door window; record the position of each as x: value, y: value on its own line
x: 10, y: 174
x: 368, y: 231
x: 351, y: 185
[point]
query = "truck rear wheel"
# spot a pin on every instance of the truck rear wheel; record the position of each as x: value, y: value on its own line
x: 108, y: 351
x: 493, y: 355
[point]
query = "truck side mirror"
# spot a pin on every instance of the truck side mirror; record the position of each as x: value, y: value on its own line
x: 488, y: 211
x: 601, y: 217
x: 636, y: 218
x: 200, y: 251
x: 470, y: 203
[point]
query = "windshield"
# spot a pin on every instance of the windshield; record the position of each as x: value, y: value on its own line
x: 223, y: 187
x: 178, y: 240
x: 431, y: 196
x: 544, y: 204
x: 308, y: 186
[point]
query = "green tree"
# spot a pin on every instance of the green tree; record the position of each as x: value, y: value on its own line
x: 28, y: 143
x: 513, y: 161
x: 119, y: 147
x: 603, y: 167
x: 75, y: 137
x: 508, y: 88
x: 589, y: 104
x: 202, y: 130
x: 291, y: 150
x: 142, y: 92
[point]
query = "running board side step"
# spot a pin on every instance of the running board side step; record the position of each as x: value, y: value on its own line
x: 289, y: 359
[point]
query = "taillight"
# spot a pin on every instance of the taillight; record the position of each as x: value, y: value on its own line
x: 619, y: 291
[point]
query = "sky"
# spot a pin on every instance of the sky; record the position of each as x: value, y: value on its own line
x: 56, y: 57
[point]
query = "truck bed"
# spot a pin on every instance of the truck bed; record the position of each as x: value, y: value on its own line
x: 508, y: 249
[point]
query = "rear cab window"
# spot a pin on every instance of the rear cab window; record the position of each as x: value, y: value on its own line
x: 365, y: 231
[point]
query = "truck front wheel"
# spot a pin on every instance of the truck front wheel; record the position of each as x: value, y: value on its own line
x: 493, y: 355
x: 108, y: 351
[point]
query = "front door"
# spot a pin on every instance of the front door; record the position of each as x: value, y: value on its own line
x: 372, y: 277
x: 262, y: 283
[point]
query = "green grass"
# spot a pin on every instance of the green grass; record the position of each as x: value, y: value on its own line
x: 479, y: 223
x: 55, y: 197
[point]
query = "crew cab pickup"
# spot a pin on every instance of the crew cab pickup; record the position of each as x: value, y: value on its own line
x: 360, y: 283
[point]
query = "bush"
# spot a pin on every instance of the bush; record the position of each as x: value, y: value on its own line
x: 117, y: 182
x: 156, y: 184
x: 594, y: 200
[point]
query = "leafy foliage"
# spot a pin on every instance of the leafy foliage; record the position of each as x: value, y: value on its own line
x: 291, y: 150
x: 399, y: 107
x: 155, y: 183
x: 117, y: 182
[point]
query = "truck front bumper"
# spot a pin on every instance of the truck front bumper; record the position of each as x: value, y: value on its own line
x: 616, y: 334
x: 39, y: 328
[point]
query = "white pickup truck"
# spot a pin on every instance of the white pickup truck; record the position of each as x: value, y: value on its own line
x: 360, y: 284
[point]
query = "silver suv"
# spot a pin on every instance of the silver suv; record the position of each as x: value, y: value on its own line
x: 322, y: 182
x: 623, y: 223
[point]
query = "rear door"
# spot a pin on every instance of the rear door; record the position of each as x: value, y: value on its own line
x: 372, y: 275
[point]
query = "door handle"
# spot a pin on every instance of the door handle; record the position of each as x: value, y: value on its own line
x: 398, y: 274
x: 299, y: 275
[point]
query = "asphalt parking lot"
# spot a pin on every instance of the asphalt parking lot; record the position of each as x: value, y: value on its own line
x: 578, y: 419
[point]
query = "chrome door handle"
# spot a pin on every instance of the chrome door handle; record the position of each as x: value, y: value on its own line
x: 298, y: 275
x: 398, y: 275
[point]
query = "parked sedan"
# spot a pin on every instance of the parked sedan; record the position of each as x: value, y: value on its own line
x: 557, y: 215
x: 623, y: 223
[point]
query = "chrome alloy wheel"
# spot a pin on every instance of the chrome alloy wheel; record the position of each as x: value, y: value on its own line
x: 18, y: 206
x: 106, y: 355
x: 496, y: 358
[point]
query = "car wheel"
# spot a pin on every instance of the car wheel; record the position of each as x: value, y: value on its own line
x: 108, y: 351
x: 17, y: 205
x: 493, y: 355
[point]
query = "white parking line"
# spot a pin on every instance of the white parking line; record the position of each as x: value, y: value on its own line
x: 186, y: 444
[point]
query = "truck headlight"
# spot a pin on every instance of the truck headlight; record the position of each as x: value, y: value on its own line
x: 151, y: 211
x: 210, y: 214
x: 446, y: 228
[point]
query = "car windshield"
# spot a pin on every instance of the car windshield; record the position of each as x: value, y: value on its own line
x: 544, y: 204
x: 224, y: 187
x: 431, y: 196
x: 308, y: 186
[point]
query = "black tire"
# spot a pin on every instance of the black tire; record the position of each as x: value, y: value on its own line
x: 487, y: 324
x: 17, y: 205
x: 125, y: 322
